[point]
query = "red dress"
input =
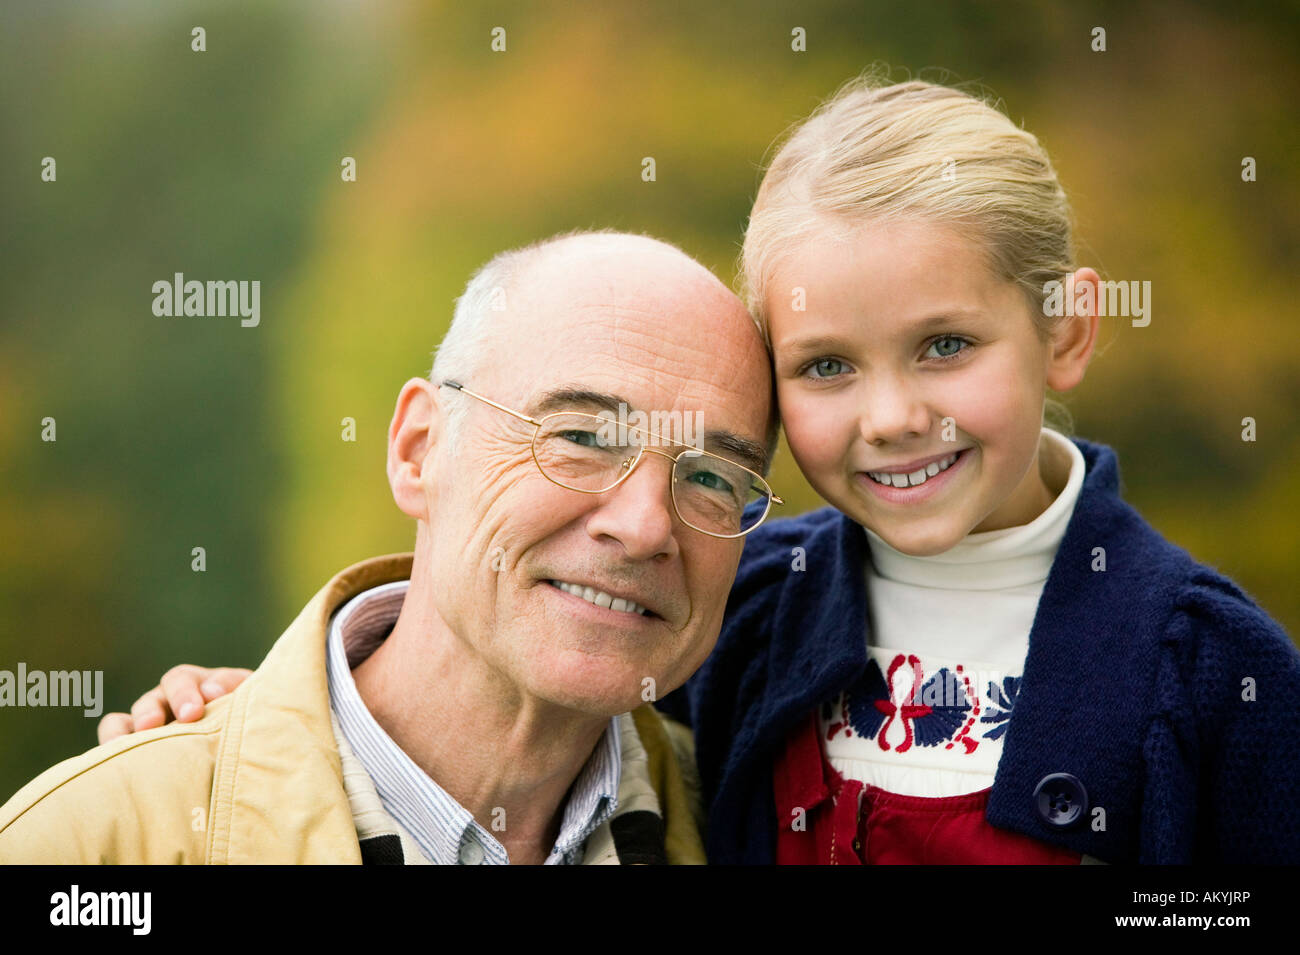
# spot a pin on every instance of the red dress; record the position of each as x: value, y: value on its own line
x: 825, y: 819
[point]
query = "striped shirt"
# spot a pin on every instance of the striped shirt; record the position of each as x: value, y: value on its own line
x: 445, y: 831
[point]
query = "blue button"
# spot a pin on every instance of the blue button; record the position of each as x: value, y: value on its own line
x: 1061, y: 800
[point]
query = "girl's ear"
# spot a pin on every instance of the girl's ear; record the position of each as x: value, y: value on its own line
x: 1075, y: 335
x: 412, y: 434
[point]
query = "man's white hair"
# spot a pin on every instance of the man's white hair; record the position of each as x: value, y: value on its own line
x: 463, y: 349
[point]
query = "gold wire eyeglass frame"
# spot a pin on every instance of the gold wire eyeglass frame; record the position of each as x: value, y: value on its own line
x: 759, y: 482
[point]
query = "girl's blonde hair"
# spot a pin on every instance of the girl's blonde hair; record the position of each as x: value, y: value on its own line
x: 912, y: 150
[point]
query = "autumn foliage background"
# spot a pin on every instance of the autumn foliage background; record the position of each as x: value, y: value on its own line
x: 177, y: 433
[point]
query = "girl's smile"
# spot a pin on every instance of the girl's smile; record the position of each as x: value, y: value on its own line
x: 917, y: 481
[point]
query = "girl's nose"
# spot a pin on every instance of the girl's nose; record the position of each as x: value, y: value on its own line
x: 892, y: 412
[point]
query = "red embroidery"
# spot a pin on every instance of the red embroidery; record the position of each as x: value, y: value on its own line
x: 905, y: 710
x: 962, y: 736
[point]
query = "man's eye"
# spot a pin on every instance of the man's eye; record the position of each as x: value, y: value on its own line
x: 587, y: 439
x: 711, y: 481
x: 826, y: 368
x: 946, y: 347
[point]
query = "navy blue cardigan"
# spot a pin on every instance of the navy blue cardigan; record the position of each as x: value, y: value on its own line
x: 1156, y: 682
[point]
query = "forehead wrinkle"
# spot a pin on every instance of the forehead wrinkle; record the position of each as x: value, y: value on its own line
x: 688, y: 342
x: 680, y: 325
x: 688, y: 375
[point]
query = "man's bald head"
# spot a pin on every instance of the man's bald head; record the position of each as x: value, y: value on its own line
x: 608, y: 269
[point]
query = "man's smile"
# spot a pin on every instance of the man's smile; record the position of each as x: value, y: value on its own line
x: 604, y: 605
x: 600, y: 598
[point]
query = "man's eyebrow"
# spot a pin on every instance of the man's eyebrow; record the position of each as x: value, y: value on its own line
x: 749, y: 453
x: 567, y: 398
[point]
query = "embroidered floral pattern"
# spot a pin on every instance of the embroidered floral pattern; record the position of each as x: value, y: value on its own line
x: 1001, y: 701
x: 904, y: 707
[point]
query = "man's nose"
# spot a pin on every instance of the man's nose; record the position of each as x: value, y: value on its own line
x: 893, y: 411
x: 639, y: 513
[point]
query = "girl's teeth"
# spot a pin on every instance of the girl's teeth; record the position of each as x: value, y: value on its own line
x: 919, y: 476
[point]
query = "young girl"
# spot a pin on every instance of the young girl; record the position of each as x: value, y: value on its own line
x: 980, y: 654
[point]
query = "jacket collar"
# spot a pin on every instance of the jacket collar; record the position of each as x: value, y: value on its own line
x: 278, y: 788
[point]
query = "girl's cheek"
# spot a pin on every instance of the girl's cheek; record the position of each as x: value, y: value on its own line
x: 1015, y: 404
x: 981, y: 400
x: 975, y: 405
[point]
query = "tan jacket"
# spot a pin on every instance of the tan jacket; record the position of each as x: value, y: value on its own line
x: 259, y: 778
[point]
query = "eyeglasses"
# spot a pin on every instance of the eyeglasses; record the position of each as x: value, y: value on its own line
x: 594, y: 454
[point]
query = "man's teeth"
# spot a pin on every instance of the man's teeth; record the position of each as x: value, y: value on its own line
x: 919, y: 476
x: 600, y: 598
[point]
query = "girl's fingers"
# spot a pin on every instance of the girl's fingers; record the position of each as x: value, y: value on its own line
x: 150, y: 710
x: 181, y: 697
x: 180, y: 687
x: 222, y: 680
x: 114, y: 725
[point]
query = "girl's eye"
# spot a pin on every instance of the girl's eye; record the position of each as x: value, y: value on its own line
x: 947, y: 346
x: 826, y: 368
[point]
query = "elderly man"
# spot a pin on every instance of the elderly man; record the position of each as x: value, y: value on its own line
x: 483, y: 700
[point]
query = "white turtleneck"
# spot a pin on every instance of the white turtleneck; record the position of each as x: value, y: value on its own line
x: 968, y: 611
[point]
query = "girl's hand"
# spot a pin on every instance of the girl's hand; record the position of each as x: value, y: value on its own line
x: 180, y: 696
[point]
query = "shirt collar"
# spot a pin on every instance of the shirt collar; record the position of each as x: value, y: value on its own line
x: 445, y: 830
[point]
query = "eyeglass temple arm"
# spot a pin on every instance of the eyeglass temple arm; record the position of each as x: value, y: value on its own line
x: 473, y: 394
x: 771, y: 496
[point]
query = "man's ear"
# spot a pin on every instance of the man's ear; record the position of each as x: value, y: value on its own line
x: 1075, y: 335
x: 413, y: 432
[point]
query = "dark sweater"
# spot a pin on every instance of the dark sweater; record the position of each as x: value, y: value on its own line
x: 1136, y: 683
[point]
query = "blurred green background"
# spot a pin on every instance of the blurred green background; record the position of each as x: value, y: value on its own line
x: 224, y: 164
